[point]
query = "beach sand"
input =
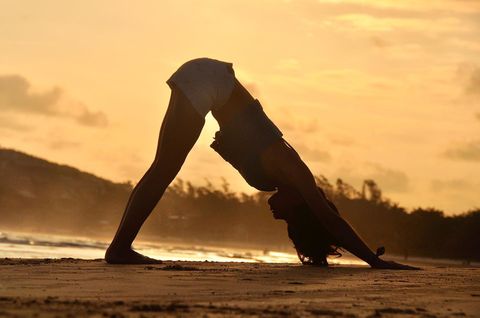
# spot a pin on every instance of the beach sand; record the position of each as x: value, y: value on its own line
x: 80, y: 288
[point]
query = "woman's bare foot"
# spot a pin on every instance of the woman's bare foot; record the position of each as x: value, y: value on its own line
x: 127, y: 256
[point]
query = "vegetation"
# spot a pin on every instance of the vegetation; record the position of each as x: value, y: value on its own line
x: 37, y: 195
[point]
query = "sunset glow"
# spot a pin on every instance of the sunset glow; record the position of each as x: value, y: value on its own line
x: 385, y: 90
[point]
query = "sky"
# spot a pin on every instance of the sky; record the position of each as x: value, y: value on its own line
x: 383, y: 90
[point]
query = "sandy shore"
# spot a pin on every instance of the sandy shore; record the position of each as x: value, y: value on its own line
x: 78, y: 288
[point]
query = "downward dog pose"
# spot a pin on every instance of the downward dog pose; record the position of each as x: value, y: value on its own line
x: 254, y: 146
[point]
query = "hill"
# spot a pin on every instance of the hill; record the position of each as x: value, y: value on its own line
x: 39, y: 195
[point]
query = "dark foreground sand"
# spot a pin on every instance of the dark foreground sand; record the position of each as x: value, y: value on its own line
x: 76, y: 288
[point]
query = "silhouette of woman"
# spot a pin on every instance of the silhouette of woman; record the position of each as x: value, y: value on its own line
x: 247, y: 139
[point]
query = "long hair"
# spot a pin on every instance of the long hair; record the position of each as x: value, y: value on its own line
x: 312, y: 241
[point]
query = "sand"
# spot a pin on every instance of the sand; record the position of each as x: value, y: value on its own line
x: 80, y: 288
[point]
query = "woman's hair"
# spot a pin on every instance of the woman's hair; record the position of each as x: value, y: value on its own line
x: 311, y: 239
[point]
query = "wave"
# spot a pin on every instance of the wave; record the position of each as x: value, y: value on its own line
x: 29, y: 245
x: 49, y: 240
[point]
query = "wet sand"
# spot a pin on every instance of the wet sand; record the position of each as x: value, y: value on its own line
x: 79, y: 288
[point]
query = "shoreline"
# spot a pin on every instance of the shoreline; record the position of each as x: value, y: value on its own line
x: 40, y: 245
x: 84, y: 288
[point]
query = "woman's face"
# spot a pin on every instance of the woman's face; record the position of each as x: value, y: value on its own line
x: 284, y: 202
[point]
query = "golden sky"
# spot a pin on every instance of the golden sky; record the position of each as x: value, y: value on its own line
x: 388, y: 90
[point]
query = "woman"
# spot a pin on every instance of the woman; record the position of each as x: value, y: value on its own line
x: 247, y: 139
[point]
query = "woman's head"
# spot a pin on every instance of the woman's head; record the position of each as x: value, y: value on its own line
x: 311, y: 239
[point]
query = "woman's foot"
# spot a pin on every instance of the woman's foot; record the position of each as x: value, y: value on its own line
x: 127, y: 256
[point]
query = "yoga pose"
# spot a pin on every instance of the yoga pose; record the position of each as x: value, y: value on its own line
x: 255, y: 147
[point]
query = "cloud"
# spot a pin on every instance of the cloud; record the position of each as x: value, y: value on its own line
x: 469, y: 75
x: 293, y: 122
x: 408, y: 6
x: 8, y: 123
x: 387, y: 179
x: 342, y: 140
x: 450, y: 185
x: 312, y: 154
x: 16, y: 95
x: 473, y: 84
x: 469, y: 151
x: 63, y: 144
x: 379, y: 42
x: 93, y: 119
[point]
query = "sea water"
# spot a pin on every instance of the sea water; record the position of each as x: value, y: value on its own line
x: 28, y: 245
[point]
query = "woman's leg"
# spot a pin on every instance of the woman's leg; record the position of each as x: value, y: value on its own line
x: 180, y: 130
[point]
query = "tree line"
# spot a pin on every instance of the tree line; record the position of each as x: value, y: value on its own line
x: 218, y: 214
x: 41, y: 196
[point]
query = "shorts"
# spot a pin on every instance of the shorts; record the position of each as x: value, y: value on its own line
x: 207, y: 83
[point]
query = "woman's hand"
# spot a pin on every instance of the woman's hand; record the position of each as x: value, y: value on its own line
x: 381, y: 264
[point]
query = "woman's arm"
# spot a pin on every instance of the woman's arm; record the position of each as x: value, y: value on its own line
x: 288, y: 168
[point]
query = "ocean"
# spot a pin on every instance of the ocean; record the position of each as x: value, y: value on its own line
x: 28, y: 245
x: 33, y: 245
